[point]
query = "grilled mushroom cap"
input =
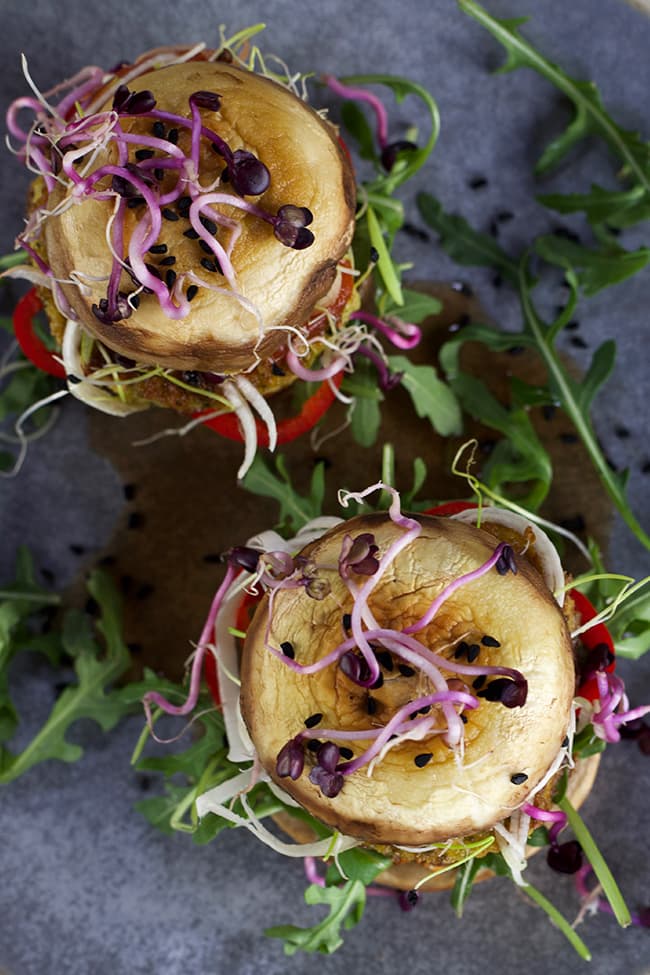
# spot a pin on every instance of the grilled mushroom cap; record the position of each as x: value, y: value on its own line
x: 307, y: 168
x: 401, y: 802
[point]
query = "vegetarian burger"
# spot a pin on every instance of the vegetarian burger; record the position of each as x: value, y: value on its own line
x: 408, y: 685
x: 189, y: 230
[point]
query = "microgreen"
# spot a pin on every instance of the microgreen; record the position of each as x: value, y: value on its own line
x: 295, y: 509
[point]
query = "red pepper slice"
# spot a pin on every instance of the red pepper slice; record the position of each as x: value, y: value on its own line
x: 597, y: 634
x: 312, y: 411
x: 36, y: 351
x: 450, y: 508
x: 242, y: 621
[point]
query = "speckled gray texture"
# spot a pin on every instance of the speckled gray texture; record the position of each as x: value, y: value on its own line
x: 86, y: 886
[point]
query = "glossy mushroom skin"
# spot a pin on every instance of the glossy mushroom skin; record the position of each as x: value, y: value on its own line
x: 308, y: 169
x: 401, y: 803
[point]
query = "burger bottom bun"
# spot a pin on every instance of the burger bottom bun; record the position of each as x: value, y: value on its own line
x: 405, y: 876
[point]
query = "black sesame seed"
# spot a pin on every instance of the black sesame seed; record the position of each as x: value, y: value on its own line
x: 208, y: 264
x: 48, y: 575
x: 277, y: 370
x: 578, y: 342
x: 385, y: 658
x: 504, y: 216
x: 183, y: 204
x: 158, y: 130
x: 378, y: 683
x: 477, y: 182
x: 77, y: 549
x: 478, y: 682
x: 518, y: 778
x: 413, y: 231
x: 141, y: 154
x: 373, y: 256
x: 566, y: 234
x: 209, y: 225
x: 494, y: 228
x: 134, y: 647
x: 405, y: 670
x: 144, y: 591
x: 314, y: 744
x: 73, y: 379
x: 152, y: 269
x: 172, y: 136
x: 371, y: 705
x: 159, y: 174
x: 136, y: 520
x: 192, y: 234
x: 568, y: 437
x: 622, y: 432
x: 287, y: 649
x: 473, y: 652
x: 192, y: 292
x: 461, y: 650
x: 313, y: 720
x: 516, y: 350
x: 463, y: 718
x: 549, y: 411
x: 346, y: 752
x: 167, y: 261
x: 574, y: 524
x: 423, y: 759
x: 170, y: 278
x: 489, y: 641
x: 134, y: 202
x: 169, y: 214
x: 347, y: 621
x: 571, y: 326
x: 203, y: 244
x: 212, y: 558
x: 425, y: 710
x: 497, y: 281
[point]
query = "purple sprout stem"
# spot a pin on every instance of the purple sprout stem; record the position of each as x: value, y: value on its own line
x: 361, y: 95
x: 311, y: 872
x: 555, y: 816
x: 386, y: 379
x: 452, y: 587
x: 89, y: 87
x: 314, y: 375
x: 409, y: 337
x: 154, y: 698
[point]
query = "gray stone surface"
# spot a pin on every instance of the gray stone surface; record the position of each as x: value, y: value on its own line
x: 87, y: 886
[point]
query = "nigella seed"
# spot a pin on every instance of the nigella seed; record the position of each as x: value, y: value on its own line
x: 168, y: 261
x: 477, y: 183
x: 172, y: 136
x: 347, y: 621
x: 183, y: 204
x: 287, y: 649
x: 313, y: 720
x: 371, y: 705
x: 141, y: 154
x: 489, y: 641
x: 461, y: 650
x: 158, y: 249
x: 170, y: 278
x: 314, y: 744
x: 203, y: 244
x: 473, y: 652
x: 77, y: 549
x: 192, y: 234
x: 346, y: 753
x: 158, y: 130
x: 405, y: 670
x: 621, y: 432
x: 209, y: 265
x: 504, y: 216
x: 276, y: 370
x: 169, y: 214
x: 578, y: 342
x: 423, y: 759
x: 209, y: 225
x: 385, y: 658
x: 192, y: 292
x: 478, y: 682
x: 519, y: 778
x: 152, y: 269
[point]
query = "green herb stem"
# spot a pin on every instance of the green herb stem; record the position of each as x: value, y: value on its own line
x: 560, y: 922
x: 596, y: 859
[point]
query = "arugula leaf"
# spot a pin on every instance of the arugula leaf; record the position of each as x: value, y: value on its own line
x: 599, y: 205
x: 96, y: 667
x: 417, y: 306
x: 597, y: 269
x: 432, y: 398
x: 295, y: 510
x: 346, y: 905
x: 462, y: 242
x: 590, y: 115
x: 357, y: 864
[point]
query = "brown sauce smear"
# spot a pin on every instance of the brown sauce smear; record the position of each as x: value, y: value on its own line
x: 183, y: 506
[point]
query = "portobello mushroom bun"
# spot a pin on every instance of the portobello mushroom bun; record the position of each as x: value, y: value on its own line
x: 407, y: 682
x: 189, y: 231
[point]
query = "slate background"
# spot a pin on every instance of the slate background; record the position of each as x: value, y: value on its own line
x: 87, y: 885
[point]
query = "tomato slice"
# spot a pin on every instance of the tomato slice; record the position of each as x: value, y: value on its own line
x: 30, y: 344
x: 242, y: 621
